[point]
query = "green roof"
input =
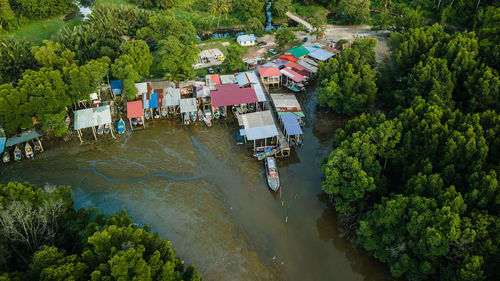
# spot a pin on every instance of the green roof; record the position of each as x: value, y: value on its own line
x: 298, y: 52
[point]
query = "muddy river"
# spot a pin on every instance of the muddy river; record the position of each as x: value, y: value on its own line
x: 199, y: 189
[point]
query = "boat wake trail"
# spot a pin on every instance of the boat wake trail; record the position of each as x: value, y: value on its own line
x: 154, y: 175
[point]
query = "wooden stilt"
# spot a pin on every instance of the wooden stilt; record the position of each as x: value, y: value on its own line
x: 93, y: 131
x: 79, y: 136
x: 130, y: 121
x: 143, y: 122
x: 254, y: 146
x: 39, y: 142
x: 111, y: 129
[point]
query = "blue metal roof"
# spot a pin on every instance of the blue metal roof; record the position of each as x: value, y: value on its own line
x: 23, y: 137
x: 291, y: 124
x: 321, y: 54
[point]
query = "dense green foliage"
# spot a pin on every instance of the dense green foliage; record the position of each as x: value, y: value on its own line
x: 234, y: 60
x: 42, y: 237
x: 347, y: 82
x: 284, y: 37
x: 13, y: 11
x: 420, y: 187
x: 15, y: 58
x: 357, y: 11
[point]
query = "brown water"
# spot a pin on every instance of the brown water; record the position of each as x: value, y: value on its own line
x: 207, y: 195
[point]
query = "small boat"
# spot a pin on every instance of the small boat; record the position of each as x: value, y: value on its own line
x: 200, y: 115
x: 298, y: 139
x: 164, y: 111
x: 67, y: 121
x: 156, y: 113
x: 273, y: 179
x: 100, y: 129
x: 17, y: 154
x: 216, y: 114
x: 208, y: 118
x: 140, y: 120
x: 147, y: 114
x: 259, y: 108
x: 193, y: 115
x: 107, y: 128
x: 221, y: 111
x: 170, y: 110
x: 28, y: 150
x: 6, y: 157
x: 121, y: 126
x: 37, y: 145
x: 186, y: 118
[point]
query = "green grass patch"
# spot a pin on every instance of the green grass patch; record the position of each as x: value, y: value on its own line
x: 38, y: 30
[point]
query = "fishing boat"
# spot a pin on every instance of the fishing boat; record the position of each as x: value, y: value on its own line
x: 193, y: 115
x: 147, y: 114
x: 28, y: 150
x: 121, y: 126
x: 216, y: 114
x: 140, y: 120
x: 170, y: 110
x: 6, y: 157
x: 221, y: 111
x: 134, y: 121
x: 200, y: 115
x: 273, y: 179
x: 17, y: 154
x: 186, y: 118
x: 164, y: 111
x: 100, y: 129
x: 208, y: 117
x: 107, y: 128
x: 37, y: 145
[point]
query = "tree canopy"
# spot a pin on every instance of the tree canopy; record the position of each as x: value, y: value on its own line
x: 43, y: 237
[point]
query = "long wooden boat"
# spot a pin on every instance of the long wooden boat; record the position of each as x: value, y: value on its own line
x: 17, y: 154
x: 6, y: 157
x: 273, y: 179
x: 208, y: 118
x: 28, y: 150
x: 121, y: 126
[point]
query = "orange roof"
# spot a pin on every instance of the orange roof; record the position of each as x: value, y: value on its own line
x: 214, y: 78
x: 288, y: 57
x: 134, y: 109
x: 269, y: 71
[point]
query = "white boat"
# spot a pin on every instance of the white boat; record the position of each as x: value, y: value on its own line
x: 17, y: 154
x: 273, y: 179
x: 107, y: 128
x: 208, y: 117
x: 140, y: 120
x: 186, y: 118
x: 37, y: 145
x: 121, y: 126
x: 147, y: 114
x: 28, y: 150
x: 6, y: 157
x: 100, y: 129
x: 164, y: 111
x: 67, y: 121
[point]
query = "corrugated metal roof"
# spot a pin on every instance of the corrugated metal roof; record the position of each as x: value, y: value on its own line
x: 269, y: 71
x: 310, y: 61
x: 291, y: 124
x: 321, y: 54
x: 116, y: 87
x: 292, y: 75
x: 134, y: 109
x: 259, y: 125
x: 91, y: 117
x: 231, y: 94
x: 23, y: 137
x: 261, y: 96
x: 307, y: 66
x: 242, y: 79
x: 188, y: 105
x: 171, y: 97
x: 298, y: 52
x: 246, y: 38
x: 227, y: 79
x: 142, y: 88
x: 202, y: 92
x: 286, y: 101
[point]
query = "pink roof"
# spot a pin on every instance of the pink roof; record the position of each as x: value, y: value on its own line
x: 232, y: 94
x: 297, y: 68
x: 134, y: 109
x: 269, y: 71
x: 292, y: 75
x: 287, y: 57
x: 214, y: 78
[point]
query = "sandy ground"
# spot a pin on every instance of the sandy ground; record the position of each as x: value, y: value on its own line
x: 333, y: 32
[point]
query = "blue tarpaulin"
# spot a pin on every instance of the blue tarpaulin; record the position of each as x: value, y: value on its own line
x: 153, y: 102
x: 23, y: 137
x: 116, y: 87
x: 2, y: 143
x: 291, y: 124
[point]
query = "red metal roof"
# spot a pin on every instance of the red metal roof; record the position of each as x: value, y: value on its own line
x: 232, y: 94
x: 297, y: 68
x: 134, y: 109
x: 288, y: 57
x: 214, y: 78
x: 292, y: 74
x: 270, y: 71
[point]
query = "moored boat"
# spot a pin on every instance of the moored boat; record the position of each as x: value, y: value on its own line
x: 134, y: 121
x: 200, y: 115
x: 121, y: 126
x: 100, y: 129
x: 216, y: 114
x: 164, y: 111
x: 140, y: 120
x: 193, y: 115
x: 147, y: 114
x: 6, y: 157
x: 107, y: 128
x: 208, y: 118
x: 273, y: 179
x: 28, y: 150
x: 17, y: 154
x: 186, y: 118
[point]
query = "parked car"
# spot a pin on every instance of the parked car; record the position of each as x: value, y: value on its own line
x: 273, y: 51
x: 305, y: 39
x: 262, y: 43
x: 211, y: 70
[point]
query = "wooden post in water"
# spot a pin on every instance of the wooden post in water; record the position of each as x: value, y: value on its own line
x: 79, y: 136
x: 111, y: 129
x: 93, y: 131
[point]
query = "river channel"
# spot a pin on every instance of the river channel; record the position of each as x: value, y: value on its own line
x: 199, y: 189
